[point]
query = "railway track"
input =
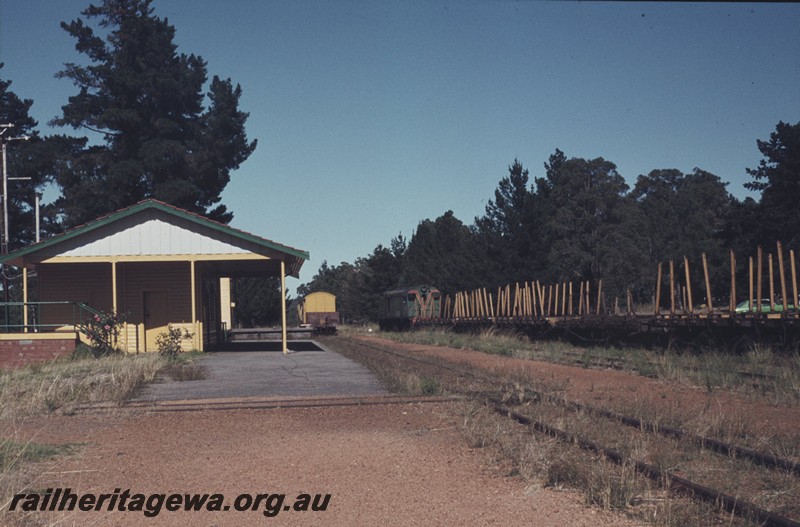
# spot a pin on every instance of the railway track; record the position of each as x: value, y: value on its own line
x: 644, y: 368
x: 779, y: 330
x: 483, y: 387
x: 722, y: 447
x: 251, y: 403
x: 650, y: 368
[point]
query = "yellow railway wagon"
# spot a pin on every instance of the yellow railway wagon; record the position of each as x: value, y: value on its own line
x: 318, y: 310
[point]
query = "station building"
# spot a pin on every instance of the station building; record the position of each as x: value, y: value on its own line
x: 153, y: 264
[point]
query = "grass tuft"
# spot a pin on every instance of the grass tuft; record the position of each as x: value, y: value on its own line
x: 185, y: 371
x: 14, y: 457
x: 59, y: 384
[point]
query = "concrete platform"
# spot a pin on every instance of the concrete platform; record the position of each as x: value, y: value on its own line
x: 255, y: 373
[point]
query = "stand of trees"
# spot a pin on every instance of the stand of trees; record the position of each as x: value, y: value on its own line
x: 581, y: 221
x: 159, y: 128
x: 156, y: 128
x: 150, y: 132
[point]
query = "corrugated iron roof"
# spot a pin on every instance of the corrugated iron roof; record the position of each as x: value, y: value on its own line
x: 294, y: 257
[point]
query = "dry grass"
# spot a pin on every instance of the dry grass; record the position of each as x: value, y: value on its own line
x: 488, y: 341
x: 50, y: 386
x: 393, y: 374
x: 15, y: 456
x: 184, y: 371
x: 620, y: 487
x: 603, y: 483
x: 761, y: 372
x: 59, y: 385
x: 544, y: 461
x: 14, y: 453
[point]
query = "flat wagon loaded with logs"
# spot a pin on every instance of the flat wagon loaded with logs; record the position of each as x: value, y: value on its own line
x: 761, y: 306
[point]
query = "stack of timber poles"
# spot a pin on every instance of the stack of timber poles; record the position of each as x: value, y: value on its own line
x: 540, y: 305
x: 755, y: 290
x: 525, y: 301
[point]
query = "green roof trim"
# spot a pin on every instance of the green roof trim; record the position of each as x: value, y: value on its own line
x: 161, y: 206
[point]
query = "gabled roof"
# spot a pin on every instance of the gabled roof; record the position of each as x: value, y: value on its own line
x: 293, y: 257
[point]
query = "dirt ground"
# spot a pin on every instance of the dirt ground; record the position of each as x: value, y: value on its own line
x: 399, y: 464
x: 624, y: 391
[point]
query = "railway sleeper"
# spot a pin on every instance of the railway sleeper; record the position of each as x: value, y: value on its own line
x: 754, y: 456
x: 721, y: 500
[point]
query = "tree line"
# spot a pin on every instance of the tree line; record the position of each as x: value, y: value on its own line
x: 150, y: 124
x: 579, y: 220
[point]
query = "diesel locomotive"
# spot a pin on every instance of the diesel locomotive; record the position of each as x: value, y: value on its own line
x: 402, y: 308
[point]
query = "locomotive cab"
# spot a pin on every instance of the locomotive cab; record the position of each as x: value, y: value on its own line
x: 403, y: 308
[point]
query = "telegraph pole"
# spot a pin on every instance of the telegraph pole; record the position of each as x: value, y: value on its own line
x: 4, y: 140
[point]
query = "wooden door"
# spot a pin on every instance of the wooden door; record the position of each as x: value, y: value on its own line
x: 156, y: 317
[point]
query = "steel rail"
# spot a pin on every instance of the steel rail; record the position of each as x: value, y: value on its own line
x: 717, y: 498
x: 767, y: 460
x: 720, y: 499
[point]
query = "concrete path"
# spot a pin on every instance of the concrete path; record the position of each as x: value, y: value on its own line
x: 271, y: 374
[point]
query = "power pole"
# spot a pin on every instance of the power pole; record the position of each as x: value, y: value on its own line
x: 4, y: 140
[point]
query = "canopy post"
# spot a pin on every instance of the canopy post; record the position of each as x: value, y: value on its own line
x: 283, y: 308
x: 24, y: 299
x: 196, y: 343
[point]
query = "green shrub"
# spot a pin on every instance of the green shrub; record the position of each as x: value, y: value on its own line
x: 103, y: 330
x: 169, y: 342
x: 429, y: 386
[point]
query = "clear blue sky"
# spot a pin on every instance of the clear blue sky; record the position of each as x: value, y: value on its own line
x: 372, y: 116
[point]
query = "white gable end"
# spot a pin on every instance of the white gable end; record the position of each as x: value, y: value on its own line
x: 155, y: 237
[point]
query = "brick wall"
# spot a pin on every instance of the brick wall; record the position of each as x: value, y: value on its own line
x: 15, y: 353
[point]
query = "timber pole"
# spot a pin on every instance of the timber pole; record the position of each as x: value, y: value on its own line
x: 709, y: 301
x: 782, y: 274
x: 732, y: 302
x: 771, y: 285
x: 570, y: 298
x: 283, y: 308
x: 751, y: 283
x: 599, y: 295
x: 760, y: 276
x: 671, y: 287
x: 658, y: 291
x: 688, y: 285
x: 794, y: 279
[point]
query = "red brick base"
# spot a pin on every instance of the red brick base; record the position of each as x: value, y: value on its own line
x: 22, y: 351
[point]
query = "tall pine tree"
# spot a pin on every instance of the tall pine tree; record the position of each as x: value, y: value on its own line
x: 146, y: 100
x: 778, y: 179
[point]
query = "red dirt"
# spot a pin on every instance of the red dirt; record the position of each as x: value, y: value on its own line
x: 404, y: 464
x: 383, y: 465
x: 623, y: 390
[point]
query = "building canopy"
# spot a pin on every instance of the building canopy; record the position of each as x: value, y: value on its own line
x: 153, y: 230
x: 155, y: 262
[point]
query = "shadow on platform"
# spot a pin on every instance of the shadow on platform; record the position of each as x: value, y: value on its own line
x: 267, y: 345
